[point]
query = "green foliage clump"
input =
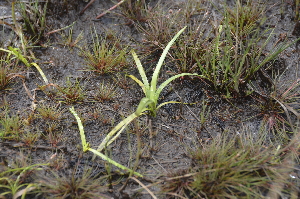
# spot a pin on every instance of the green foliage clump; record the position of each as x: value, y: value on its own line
x: 238, y: 168
x: 105, y: 55
x: 72, y: 92
x: 11, y: 127
x: 58, y: 186
x: 34, y: 16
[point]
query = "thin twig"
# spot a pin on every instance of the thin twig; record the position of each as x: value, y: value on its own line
x: 88, y: 5
x: 57, y: 30
x: 150, y: 192
x: 105, y: 12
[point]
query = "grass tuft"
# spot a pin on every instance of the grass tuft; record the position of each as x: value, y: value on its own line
x: 238, y: 167
x: 104, y: 55
x: 56, y: 185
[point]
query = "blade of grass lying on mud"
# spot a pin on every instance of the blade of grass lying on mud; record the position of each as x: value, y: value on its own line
x: 118, y: 129
x: 86, y: 146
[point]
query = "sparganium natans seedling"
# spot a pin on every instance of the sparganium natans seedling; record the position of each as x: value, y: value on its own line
x: 148, y: 103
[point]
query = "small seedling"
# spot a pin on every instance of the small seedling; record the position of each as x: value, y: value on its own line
x: 104, y: 56
x: 152, y: 93
x: 48, y: 112
x: 68, y: 39
x: 72, y: 92
x: 105, y: 92
x: 29, y: 137
x: 148, y: 103
x: 55, y: 138
x: 11, y: 127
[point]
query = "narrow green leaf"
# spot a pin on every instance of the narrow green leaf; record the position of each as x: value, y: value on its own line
x: 161, y: 60
x: 85, y: 145
x: 143, y: 105
x: 141, y: 70
x: 41, y: 72
x: 121, y: 130
x: 165, y: 83
x: 17, y: 53
x: 169, y: 102
x: 104, y: 157
x: 139, y: 83
x: 125, y: 122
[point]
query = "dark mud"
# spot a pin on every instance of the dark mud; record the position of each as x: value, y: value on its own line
x: 166, y: 139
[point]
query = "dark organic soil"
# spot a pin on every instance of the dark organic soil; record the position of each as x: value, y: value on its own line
x: 166, y: 139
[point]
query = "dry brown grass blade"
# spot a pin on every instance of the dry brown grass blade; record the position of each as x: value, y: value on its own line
x: 177, y: 195
x: 277, y: 187
x: 86, y: 7
x: 148, y: 190
x: 23, y: 191
x: 110, y: 9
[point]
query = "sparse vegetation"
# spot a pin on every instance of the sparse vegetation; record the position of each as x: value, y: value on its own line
x: 13, y: 179
x: 68, y: 40
x: 48, y: 112
x: 8, y: 72
x: 230, y: 62
x: 227, y: 126
x: 58, y: 186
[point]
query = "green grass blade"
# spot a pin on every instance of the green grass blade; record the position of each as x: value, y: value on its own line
x: 85, y: 145
x: 17, y: 53
x: 120, y: 131
x: 161, y: 60
x: 139, y: 83
x: 169, y: 102
x: 41, y: 72
x: 104, y: 157
x: 141, y: 69
x: 108, y: 137
x: 143, y: 105
x: 165, y: 83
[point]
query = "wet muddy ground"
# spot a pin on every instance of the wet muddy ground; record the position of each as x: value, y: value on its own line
x: 166, y: 140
